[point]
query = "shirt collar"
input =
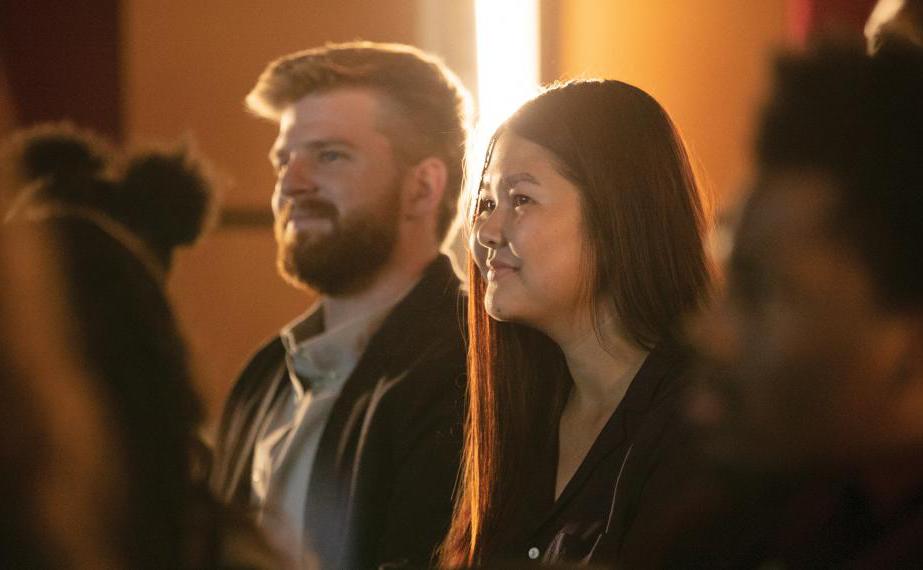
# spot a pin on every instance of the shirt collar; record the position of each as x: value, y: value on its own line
x: 325, y: 358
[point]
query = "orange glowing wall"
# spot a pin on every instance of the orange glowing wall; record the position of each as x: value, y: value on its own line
x: 706, y: 61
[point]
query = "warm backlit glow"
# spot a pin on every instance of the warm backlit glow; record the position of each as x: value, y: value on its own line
x: 508, y: 65
x: 507, y: 56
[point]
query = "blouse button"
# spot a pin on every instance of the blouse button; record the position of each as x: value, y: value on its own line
x: 533, y: 553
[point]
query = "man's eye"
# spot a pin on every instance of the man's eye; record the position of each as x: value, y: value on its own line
x: 330, y: 155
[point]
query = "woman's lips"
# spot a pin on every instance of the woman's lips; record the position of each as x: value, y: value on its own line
x: 498, y: 270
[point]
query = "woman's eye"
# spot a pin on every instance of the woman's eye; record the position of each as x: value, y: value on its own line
x: 520, y: 200
x: 486, y: 205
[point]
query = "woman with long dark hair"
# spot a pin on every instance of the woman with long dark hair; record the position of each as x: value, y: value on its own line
x: 587, y: 249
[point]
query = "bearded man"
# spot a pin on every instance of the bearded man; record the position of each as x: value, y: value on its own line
x: 347, y: 426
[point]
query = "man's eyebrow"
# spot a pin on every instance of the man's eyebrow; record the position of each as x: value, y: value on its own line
x: 276, y: 151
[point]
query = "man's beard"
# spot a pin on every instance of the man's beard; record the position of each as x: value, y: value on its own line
x: 348, y: 258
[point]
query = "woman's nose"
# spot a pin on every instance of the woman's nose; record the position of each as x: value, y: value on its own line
x: 489, y: 229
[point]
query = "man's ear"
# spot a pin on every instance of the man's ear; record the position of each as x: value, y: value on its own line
x: 427, y: 186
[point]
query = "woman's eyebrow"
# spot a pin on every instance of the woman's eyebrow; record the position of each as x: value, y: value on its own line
x: 511, y: 180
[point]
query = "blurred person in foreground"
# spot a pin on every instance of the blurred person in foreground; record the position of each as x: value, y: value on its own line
x: 62, y: 477
x: 111, y: 224
x: 895, y: 25
x: 346, y: 427
x: 818, y: 344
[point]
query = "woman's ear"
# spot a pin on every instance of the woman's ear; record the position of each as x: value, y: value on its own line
x: 427, y: 187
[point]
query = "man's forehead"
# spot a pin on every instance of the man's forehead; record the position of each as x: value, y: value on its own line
x: 347, y: 110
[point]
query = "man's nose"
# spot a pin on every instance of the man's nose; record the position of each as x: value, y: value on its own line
x: 296, y: 176
x: 293, y: 180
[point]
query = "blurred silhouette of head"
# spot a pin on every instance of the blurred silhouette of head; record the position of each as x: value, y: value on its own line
x: 819, y: 341
x: 111, y: 225
x: 162, y: 199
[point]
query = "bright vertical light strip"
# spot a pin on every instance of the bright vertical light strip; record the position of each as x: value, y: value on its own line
x: 507, y: 56
x: 507, y: 70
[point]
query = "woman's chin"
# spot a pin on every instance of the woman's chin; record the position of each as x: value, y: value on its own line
x: 505, y: 314
x: 496, y: 309
x: 495, y: 313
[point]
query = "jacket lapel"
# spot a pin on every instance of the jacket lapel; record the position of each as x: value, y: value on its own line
x: 249, y: 403
x: 252, y: 422
x: 388, y: 355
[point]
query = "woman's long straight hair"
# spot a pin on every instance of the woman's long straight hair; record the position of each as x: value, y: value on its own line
x: 644, y: 223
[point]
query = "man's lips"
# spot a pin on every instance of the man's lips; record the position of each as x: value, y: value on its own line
x: 308, y: 216
x: 305, y: 222
x: 308, y: 211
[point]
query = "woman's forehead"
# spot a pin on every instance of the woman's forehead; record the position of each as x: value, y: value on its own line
x: 515, y: 157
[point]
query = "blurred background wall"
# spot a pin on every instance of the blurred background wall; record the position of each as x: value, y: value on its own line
x: 142, y: 70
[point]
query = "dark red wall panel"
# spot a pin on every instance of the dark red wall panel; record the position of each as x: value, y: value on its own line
x: 61, y: 61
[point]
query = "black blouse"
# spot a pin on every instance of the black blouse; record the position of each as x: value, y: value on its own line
x: 594, y: 511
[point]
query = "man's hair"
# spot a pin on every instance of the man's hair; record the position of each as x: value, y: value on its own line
x: 432, y: 106
x: 860, y: 122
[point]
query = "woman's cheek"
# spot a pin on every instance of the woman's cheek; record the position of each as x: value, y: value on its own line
x: 478, y: 251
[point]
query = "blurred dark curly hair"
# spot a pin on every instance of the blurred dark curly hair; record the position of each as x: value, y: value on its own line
x: 164, y: 197
x: 112, y: 224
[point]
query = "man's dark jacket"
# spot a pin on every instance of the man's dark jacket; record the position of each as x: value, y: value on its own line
x: 382, y: 482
